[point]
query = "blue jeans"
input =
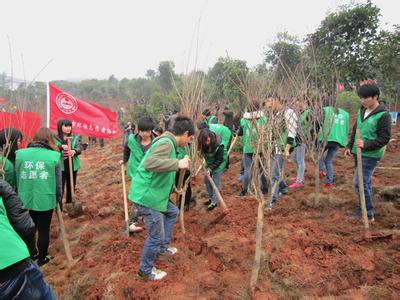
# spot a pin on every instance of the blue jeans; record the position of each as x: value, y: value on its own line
x: 29, y: 284
x: 277, y: 184
x: 247, y: 161
x: 159, y: 227
x: 328, y: 161
x: 368, y: 168
x: 299, y: 154
x: 217, y: 180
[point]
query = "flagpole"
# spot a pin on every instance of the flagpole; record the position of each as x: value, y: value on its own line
x: 48, y: 106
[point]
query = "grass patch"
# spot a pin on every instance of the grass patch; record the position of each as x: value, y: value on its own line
x: 78, y: 288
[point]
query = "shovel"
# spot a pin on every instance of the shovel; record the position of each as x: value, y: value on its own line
x: 64, y: 235
x: 125, y: 199
x: 74, y: 209
x: 361, y: 189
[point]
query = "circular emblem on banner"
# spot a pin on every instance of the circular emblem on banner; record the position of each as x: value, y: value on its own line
x: 66, y: 103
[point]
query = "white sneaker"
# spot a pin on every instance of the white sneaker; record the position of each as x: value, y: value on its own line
x: 172, y: 250
x: 134, y: 228
x: 154, y: 275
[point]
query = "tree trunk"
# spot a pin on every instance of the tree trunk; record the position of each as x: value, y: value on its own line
x: 317, y: 182
x: 257, y: 256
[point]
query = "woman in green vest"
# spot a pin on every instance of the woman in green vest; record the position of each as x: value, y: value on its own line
x: 213, y: 143
x: 20, y: 277
x: 134, y: 149
x: 374, y: 122
x: 39, y: 185
x: 7, y: 171
x: 64, y: 131
x: 209, y: 118
x: 334, y: 131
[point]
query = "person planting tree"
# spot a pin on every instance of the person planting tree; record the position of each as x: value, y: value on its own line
x: 64, y: 131
x: 134, y: 150
x: 213, y: 143
x: 374, y: 122
x: 150, y: 192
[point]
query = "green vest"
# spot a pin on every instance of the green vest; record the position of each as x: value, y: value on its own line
x: 211, y: 119
x: 250, y: 134
x: 152, y: 189
x: 135, y: 157
x: 305, y: 127
x: 368, y: 133
x: 182, y: 152
x: 76, y: 163
x: 12, y: 247
x: 36, y: 177
x: 336, y: 126
x: 7, y: 170
x: 225, y: 134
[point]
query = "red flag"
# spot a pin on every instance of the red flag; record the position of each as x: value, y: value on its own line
x: 87, y: 118
x: 28, y: 122
x: 8, y: 120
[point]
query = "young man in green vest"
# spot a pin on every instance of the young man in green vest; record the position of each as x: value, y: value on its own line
x: 334, y: 131
x: 150, y: 191
x: 252, y: 121
x: 213, y: 142
x: 134, y: 150
x: 374, y: 122
x: 20, y: 277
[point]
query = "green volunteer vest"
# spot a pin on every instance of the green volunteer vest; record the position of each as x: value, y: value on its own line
x: 225, y: 135
x: 36, y: 177
x: 210, y: 119
x: 8, y: 171
x: 76, y: 163
x: 368, y: 133
x: 338, y: 127
x: 135, y: 157
x: 182, y: 152
x: 250, y: 139
x: 12, y: 247
x: 152, y: 189
x: 305, y: 127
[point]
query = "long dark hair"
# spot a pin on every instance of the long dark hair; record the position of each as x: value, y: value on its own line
x: 60, y: 123
x: 204, y: 134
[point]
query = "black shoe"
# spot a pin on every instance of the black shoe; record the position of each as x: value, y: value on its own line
x: 242, y: 193
x: 211, y: 206
x: 43, y: 261
x: 207, y: 203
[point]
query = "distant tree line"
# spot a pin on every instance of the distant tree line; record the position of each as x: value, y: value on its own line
x: 347, y: 47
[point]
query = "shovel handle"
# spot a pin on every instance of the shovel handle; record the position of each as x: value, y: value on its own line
x: 361, y: 188
x: 216, y: 191
x: 71, y: 174
x: 64, y: 234
x: 125, y: 198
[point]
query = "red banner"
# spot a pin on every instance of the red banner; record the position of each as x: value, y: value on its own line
x: 8, y: 120
x: 87, y: 118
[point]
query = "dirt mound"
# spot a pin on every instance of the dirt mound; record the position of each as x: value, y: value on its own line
x: 309, y: 250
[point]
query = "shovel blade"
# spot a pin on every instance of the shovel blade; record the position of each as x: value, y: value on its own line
x: 74, y: 209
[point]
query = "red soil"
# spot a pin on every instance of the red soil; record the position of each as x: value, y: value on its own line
x: 309, y: 250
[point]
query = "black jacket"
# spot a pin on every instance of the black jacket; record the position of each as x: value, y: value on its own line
x: 18, y: 216
x: 383, y: 129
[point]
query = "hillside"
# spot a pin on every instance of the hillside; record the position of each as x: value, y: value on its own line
x: 310, y: 251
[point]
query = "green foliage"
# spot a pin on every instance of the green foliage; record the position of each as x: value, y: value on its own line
x: 345, y: 41
x: 349, y: 101
x: 388, y: 61
x: 166, y: 75
x: 225, y: 79
x: 284, y: 55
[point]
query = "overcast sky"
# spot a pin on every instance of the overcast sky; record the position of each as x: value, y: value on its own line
x: 94, y: 39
